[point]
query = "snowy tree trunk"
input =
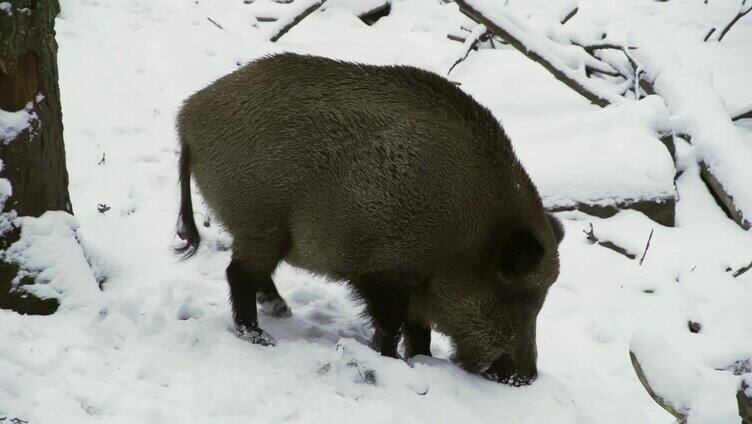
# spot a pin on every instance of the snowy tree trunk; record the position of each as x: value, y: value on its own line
x: 33, y: 157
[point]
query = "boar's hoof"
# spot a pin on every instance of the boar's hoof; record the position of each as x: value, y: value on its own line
x: 254, y: 335
x: 385, y: 343
x: 510, y: 380
x: 275, y: 307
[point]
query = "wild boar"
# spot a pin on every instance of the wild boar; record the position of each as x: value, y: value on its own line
x: 388, y: 177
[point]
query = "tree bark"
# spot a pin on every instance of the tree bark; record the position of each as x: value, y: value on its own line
x: 33, y: 162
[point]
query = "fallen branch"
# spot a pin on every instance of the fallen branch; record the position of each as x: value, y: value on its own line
x: 744, y: 112
x: 569, y: 15
x: 215, y: 23
x: 456, y: 38
x: 739, y: 271
x: 301, y: 9
x: 266, y: 18
x: 647, y: 246
x: 540, y: 50
x: 591, y: 237
x: 471, y: 43
x: 742, y: 12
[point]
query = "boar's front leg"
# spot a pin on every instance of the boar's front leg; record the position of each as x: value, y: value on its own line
x: 386, y: 306
x: 417, y: 338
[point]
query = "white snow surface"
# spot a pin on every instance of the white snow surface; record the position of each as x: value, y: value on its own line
x: 155, y: 346
x: 645, y: 171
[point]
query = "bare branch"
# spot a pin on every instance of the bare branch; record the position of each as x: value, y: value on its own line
x: 214, y: 22
x: 471, y: 43
x: 647, y: 246
x: 525, y: 43
x: 266, y: 18
x: 735, y: 20
x: 456, y: 38
x: 742, y: 12
x: 570, y: 15
x: 739, y: 271
x: 303, y: 8
x: 744, y: 112
x: 593, y: 239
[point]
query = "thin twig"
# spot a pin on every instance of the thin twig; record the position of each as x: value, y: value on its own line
x: 215, y: 23
x: 570, y: 15
x: 593, y: 239
x: 735, y: 20
x: 739, y: 271
x: 310, y: 7
x: 731, y: 23
x: 744, y: 112
x: 471, y: 43
x: 647, y: 246
x: 456, y: 38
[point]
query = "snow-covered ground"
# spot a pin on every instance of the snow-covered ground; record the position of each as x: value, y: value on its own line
x: 154, y: 345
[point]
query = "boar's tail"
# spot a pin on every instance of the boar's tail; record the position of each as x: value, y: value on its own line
x: 186, y: 227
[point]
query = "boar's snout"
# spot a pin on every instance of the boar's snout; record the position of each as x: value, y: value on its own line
x: 519, y: 371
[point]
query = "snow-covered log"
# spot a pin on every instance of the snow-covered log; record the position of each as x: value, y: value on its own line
x: 723, y: 155
x: 300, y: 10
x: 688, y: 391
x: 612, y: 160
x: 570, y: 64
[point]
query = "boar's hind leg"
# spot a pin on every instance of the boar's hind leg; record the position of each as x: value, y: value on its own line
x: 271, y: 302
x: 417, y: 338
x: 244, y: 283
x: 386, y: 306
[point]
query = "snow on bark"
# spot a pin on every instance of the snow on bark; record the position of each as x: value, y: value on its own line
x: 14, y: 123
x: 5, y: 189
x: 698, y: 111
x: 49, y: 250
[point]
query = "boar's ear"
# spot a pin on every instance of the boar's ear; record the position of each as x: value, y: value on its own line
x: 557, y: 226
x: 521, y: 254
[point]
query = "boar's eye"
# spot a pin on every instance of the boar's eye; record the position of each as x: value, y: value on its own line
x: 520, y: 256
x: 557, y: 227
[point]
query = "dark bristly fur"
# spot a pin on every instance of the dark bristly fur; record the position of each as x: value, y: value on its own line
x: 387, y: 177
